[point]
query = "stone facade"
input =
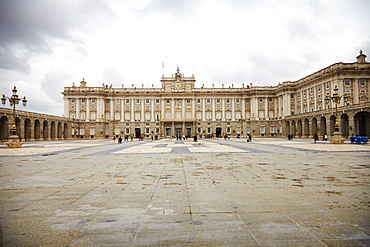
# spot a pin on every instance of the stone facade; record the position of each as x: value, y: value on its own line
x: 294, y: 108
x: 33, y: 126
x: 178, y: 108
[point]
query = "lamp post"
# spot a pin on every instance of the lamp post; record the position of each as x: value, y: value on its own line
x: 13, y: 101
x: 337, y: 138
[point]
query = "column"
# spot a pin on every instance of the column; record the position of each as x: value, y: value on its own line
x: 223, y: 109
x: 78, y: 108
x: 213, y: 109
x: 123, y: 110
x: 266, y: 108
x: 162, y: 109
x: 132, y: 109
x: 232, y: 109
x: 183, y: 109
x: 112, y: 115
x: 356, y: 99
x: 142, y: 117
x: 243, y: 108
x: 152, y: 117
x: 203, y: 109
x: 193, y: 109
x: 172, y: 109
x: 66, y: 107
x: 254, y: 108
x: 88, y: 109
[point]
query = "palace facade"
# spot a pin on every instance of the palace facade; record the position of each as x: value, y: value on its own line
x: 295, y: 108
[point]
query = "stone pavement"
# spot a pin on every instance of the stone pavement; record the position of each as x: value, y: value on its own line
x: 271, y: 192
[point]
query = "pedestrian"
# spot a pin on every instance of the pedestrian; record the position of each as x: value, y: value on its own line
x: 119, y: 139
x: 315, y: 138
x: 249, y: 137
x: 324, y: 137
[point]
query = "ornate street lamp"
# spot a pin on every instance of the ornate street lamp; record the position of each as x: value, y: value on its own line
x: 13, y: 101
x: 336, y: 99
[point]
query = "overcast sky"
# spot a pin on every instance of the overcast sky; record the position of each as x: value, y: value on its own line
x: 46, y: 45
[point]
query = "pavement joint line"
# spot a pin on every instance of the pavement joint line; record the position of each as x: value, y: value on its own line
x: 206, y: 199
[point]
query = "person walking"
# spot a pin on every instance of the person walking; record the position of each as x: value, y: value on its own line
x: 315, y: 138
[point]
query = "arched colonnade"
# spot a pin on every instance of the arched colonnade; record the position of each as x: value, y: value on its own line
x: 351, y: 123
x: 36, y: 127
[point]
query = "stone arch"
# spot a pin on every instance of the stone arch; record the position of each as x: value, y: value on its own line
x: 299, y: 128
x: 65, y: 131
x: 37, y: 129
x: 323, y: 130
x: 27, y: 129
x: 59, y: 130
x: 362, y: 123
x: 344, y: 127
x: 332, y: 125
x: 52, y: 130
x: 294, y: 128
x: 4, y: 128
x: 287, y: 128
x: 306, y: 132
x: 45, y: 130
x: 18, y: 125
x: 314, y: 128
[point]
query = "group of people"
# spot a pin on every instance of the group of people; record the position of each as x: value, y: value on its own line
x: 316, y: 137
x: 119, y: 138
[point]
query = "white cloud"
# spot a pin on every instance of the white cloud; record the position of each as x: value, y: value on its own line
x: 55, y: 43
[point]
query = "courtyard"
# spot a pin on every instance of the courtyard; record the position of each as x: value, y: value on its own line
x: 168, y: 192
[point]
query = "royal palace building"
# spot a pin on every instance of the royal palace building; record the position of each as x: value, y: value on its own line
x: 295, y: 108
x: 292, y: 108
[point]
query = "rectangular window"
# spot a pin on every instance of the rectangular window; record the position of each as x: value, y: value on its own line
x: 227, y: 100
x: 156, y: 130
x: 198, y: 101
x: 127, y: 101
x: 218, y: 101
x: 346, y: 82
x: 147, y: 101
x: 167, y: 101
x: 188, y: 101
x: 362, y: 82
x: 147, y: 131
x: 319, y: 88
x: 209, y: 130
x: 157, y: 101
x: 117, y: 101
x: 228, y: 130
x: 93, y: 100
x: 199, y: 130
x: 83, y: 100
x: 127, y: 131
x: 208, y: 101
x: 137, y: 101
x: 327, y: 85
x: 246, y: 100
x: 73, y: 101
x: 107, y: 101
x: 237, y: 101
x: 262, y: 130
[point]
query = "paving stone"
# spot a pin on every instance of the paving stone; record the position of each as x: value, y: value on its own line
x: 271, y: 192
